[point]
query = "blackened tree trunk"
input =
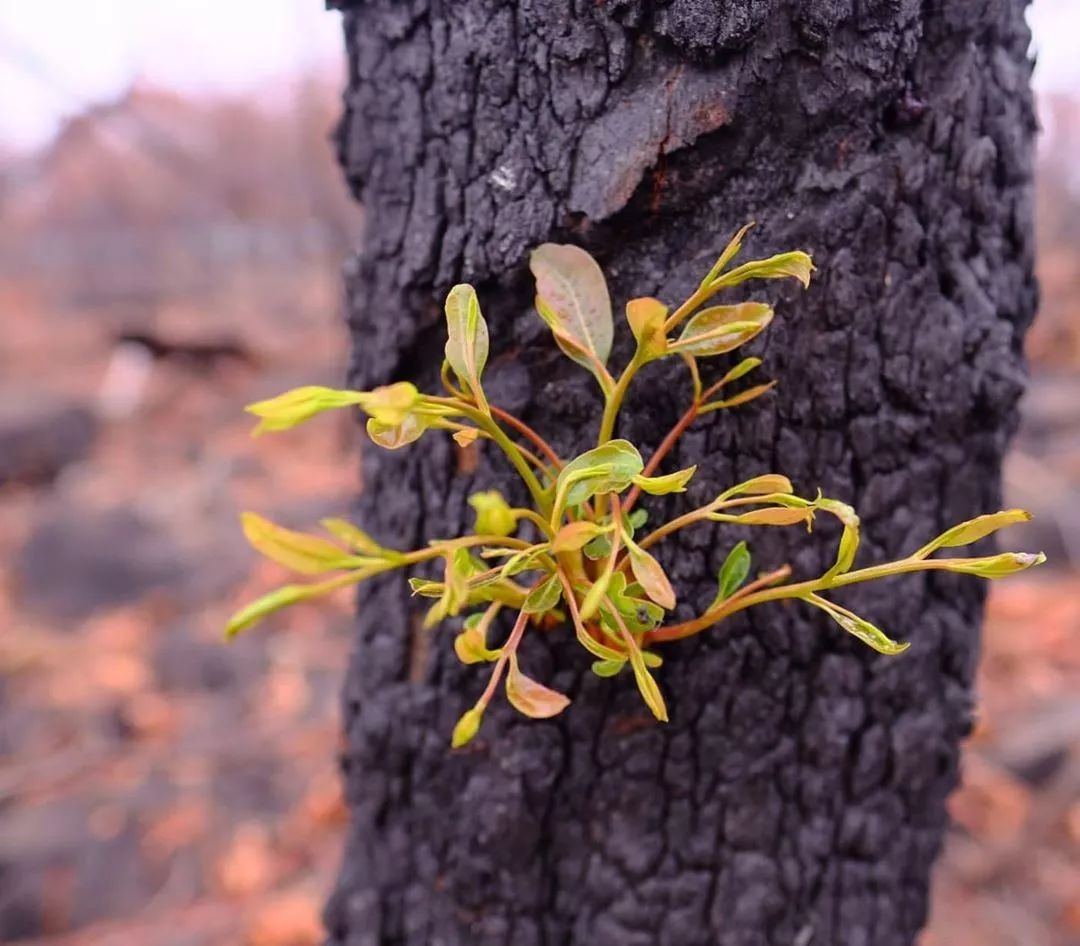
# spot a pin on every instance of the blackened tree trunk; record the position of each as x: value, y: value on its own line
x: 797, y: 796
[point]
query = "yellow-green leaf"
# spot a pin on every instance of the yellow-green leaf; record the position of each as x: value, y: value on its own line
x: 576, y: 303
x: 351, y: 535
x: 733, y: 573
x: 729, y: 253
x: 494, y: 516
x: 467, y: 727
x: 646, y: 317
x: 669, y: 483
x: 849, y: 540
x: 607, y: 668
x: 859, y: 627
x: 775, y: 516
x: 544, y: 596
x: 467, y: 345
x: 722, y: 328
x: 391, y: 404
x: 995, y: 566
x: 743, y: 397
x: 610, y: 468
x: 307, y: 554
x: 396, y: 436
x: 295, y: 406
x: 760, y: 486
x: 744, y: 367
x: 974, y: 529
x: 794, y: 265
x: 650, y: 575
x: 576, y: 535
x: 650, y: 692
x: 275, y: 600
x: 531, y: 698
x: 471, y: 644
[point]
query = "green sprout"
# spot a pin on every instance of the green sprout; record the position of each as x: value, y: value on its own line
x: 577, y: 551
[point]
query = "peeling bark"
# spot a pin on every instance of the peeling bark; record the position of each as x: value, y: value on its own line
x: 797, y: 796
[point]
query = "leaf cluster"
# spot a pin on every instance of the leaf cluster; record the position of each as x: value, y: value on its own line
x: 579, y: 553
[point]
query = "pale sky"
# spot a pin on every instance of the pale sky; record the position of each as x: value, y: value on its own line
x: 59, y: 55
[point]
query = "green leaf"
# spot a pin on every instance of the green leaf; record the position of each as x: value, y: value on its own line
x: 650, y: 575
x: 531, y: 698
x: 572, y: 298
x: 427, y: 588
x: 859, y: 627
x: 467, y: 727
x: 733, y: 573
x: 544, y: 596
x: 467, y: 345
x: 730, y: 252
x: 307, y: 554
x: 974, y: 529
x: 994, y: 566
x: 298, y: 405
x: 598, y: 549
x: 670, y: 483
x: 610, y: 468
x: 275, y: 600
x: 607, y: 668
x: 493, y: 513
x: 722, y: 328
x: 796, y: 265
x: 646, y: 317
x: 575, y: 535
x: 346, y: 532
x: 523, y: 560
x: 636, y: 520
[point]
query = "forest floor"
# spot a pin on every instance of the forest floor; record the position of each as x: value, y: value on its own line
x: 161, y: 788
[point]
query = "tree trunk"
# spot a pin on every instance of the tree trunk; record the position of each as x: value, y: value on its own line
x: 797, y: 797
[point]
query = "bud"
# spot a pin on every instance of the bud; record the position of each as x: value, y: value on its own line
x: 467, y: 727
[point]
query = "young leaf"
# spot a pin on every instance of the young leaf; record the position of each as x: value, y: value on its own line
x: 650, y: 692
x: 670, y: 483
x: 610, y: 468
x: 743, y: 397
x: 307, y: 554
x: 730, y: 252
x: 651, y: 576
x: 467, y: 727
x: 346, y: 532
x: 467, y: 345
x: 721, y: 328
x: 744, y: 367
x: 396, y: 436
x: 607, y: 668
x: 760, y: 486
x: 849, y: 540
x: 796, y: 265
x: 531, y: 698
x: 859, y: 627
x: 295, y: 406
x: 543, y: 597
x: 471, y: 644
x: 974, y: 529
x: 637, y: 519
x: 575, y: 535
x: 995, y: 566
x: 274, y: 601
x: 646, y: 317
x: 466, y: 436
x: 427, y: 588
x: 493, y: 513
x: 523, y: 560
x: 732, y: 574
x: 575, y: 302
x: 774, y: 516
x: 391, y: 404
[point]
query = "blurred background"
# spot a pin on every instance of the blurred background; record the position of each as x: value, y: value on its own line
x: 172, y: 231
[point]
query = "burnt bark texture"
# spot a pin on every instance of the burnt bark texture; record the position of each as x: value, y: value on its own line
x: 797, y: 798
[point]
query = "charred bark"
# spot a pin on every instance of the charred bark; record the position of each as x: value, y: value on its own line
x: 797, y: 796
